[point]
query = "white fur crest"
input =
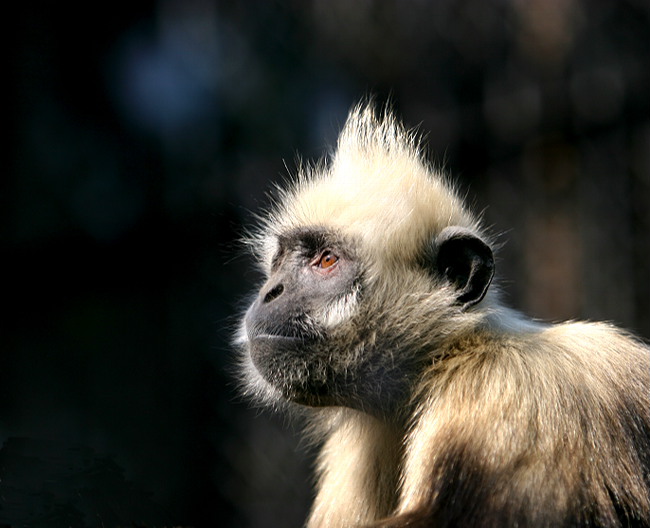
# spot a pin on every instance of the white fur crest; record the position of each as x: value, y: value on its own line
x: 377, y: 188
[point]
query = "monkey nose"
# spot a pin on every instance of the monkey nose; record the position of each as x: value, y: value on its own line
x: 273, y: 293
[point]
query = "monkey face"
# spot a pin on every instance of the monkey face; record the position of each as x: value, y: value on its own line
x: 312, y: 288
x: 321, y: 333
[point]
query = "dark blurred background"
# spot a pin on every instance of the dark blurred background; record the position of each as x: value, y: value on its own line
x: 144, y: 134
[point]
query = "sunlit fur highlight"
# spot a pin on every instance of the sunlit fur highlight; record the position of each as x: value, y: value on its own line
x: 508, y: 422
x: 377, y: 188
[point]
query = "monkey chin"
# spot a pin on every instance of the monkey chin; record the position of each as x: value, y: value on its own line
x: 301, y: 371
x: 291, y: 367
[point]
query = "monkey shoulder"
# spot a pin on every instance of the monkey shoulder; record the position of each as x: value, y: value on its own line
x: 523, y: 428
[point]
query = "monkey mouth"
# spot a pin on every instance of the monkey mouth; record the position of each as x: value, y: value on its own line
x: 264, y: 347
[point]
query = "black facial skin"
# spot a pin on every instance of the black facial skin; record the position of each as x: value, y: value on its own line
x: 291, y: 350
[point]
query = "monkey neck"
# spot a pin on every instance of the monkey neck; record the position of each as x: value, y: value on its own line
x: 362, y: 459
x: 358, y: 470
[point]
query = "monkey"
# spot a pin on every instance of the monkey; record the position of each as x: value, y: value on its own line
x: 432, y: 403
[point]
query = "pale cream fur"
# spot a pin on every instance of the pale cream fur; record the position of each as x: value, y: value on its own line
x: 358, y: 471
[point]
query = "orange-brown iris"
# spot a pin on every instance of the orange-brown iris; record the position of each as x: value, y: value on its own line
x: 327, y: 260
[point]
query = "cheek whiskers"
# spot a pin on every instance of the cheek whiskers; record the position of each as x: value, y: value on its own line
x: 340, y: 311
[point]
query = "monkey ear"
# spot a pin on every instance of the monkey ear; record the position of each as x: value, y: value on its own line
x: 466, y: 262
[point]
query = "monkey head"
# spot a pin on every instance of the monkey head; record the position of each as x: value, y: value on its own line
x: 358, y: 256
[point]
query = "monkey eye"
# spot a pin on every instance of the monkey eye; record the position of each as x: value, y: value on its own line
x: 326, y: 260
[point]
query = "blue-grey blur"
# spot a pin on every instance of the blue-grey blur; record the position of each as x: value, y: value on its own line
x: 144, y: 134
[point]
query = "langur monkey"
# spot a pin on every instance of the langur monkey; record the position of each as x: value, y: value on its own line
x: 433, y: 404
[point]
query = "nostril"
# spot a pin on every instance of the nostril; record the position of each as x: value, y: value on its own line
x: 274, y: 293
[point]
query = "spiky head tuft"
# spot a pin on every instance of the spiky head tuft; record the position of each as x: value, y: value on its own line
x: 377, y: 188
